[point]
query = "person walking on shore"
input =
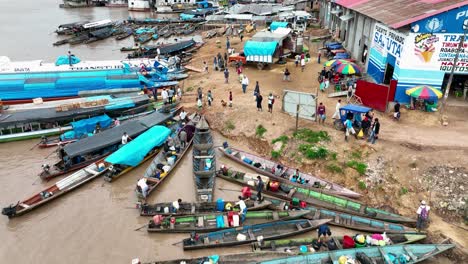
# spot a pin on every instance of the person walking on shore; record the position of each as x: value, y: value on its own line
x: 259, y: 100
x: 336, y: 115
x: 209, y: 97
x: 318, y: 56
x: 257, y: 89
x: 349, y: 129
x: 245, y: 83
x: 287, y: 75
x: 321, y: 113
x: 215, y: 63
x: 226, y: 75
x: 179, y: 93
x: 271, y: 101
x: 205, y: 66
x: 302, y: 63
x: 423, y: 216
x: 375, y: 129
x: 230, y: 98
x: 228, y: 44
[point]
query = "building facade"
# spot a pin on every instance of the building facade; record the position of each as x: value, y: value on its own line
x: 411, y: 52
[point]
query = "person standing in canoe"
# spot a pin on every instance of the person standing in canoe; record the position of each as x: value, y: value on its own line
x: 176, y: 205
x: 260, y: 186
x: 125, y: 138
x: 423, y: 215
x: 324, y: 230
x: 243, y: 208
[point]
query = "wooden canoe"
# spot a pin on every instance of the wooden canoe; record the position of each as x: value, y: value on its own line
x: 204, y: 162
x: 113, y: 173
x: 208, y: 222
x: 267, y: 166
x: 416, y: 252
x: 53, y: 142
x: 60, y: 188
x: 151, y: 171
x: 292, y: 245
x: 244, y: 258
x: 315, y: 198
x: 268, y: 231
x: 343, y: 219
x: 197, y: 207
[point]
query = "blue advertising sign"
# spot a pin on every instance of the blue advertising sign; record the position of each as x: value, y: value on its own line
x: 447, y: 22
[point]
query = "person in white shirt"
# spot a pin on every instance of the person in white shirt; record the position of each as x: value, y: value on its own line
x: 144, y: 186
x: 243, y: 208
x: 176, y: 205
x: 183, y: 115
x: 245, y: 83
x: 125, y: 138
x: 337, y: 110
x: 165, y: 95
x: 179, y: 93
x: 423, y: 215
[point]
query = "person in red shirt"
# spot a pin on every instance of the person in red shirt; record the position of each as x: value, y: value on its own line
x: 321, y: 113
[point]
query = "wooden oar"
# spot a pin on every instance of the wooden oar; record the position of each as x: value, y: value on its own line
x: 50, y: 154
x: 141, y: 227
x: 35, y: 145
x: 178, y: 243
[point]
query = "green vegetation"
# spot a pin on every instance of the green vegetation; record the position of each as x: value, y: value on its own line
x: 229, y: 125
x: 403, y: 191
x: 357, y: 154
x: 358, y: 166
x: 313, y: 152
x: 334, y: 168
x: 189, y: 89
x: 275, y: 154
x: 333, y: 155
x: 260, y: 131
x: 413, y: 165
x: 311, y: 136
x: 362, y: 185
x: 284, y: 139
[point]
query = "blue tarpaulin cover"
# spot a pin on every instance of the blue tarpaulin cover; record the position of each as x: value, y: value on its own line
x: 64, y: 60
x: 275, y: 24
x: 86, y: 126
x: 356, y: 108
x: 186, y: 16
x: 135, y: 151
x: 144, y: 31
x: 254, y: 48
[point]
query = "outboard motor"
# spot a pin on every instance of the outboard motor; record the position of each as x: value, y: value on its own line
x: 45, y: 168
x: 10, y: 211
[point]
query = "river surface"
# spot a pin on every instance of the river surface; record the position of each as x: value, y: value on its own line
x: 27, y: 30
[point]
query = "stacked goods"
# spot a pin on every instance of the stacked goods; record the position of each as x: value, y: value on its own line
x: 87, y: 104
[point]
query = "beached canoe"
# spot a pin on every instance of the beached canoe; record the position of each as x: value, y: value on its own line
x: 60, y: 188
x: 343, y: 219
x: 160, y: 168
x: 283, y: 173
x: 136, y: 152
x: 243, y: 258
x: 197, y: 207
x: 204, y: 162
x: 415, y: 253
x: 315, y: 198
x: 293, y: 245
x: 218, y: 221
x: 247, y: 234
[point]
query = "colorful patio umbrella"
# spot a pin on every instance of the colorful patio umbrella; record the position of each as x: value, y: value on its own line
x: 425, y: 92
x: 348, y: 68
x: 333, y: 63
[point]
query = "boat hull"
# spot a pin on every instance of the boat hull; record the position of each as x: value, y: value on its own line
x: 33, y: 134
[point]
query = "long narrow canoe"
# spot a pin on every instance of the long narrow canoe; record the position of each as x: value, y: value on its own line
x: 209, y: 222
x: 343, y: 219
x: 197, y: 207
x: 267, y: 167
x: 267, y: 231
x: 204, y: 162
x: 60, y: 188
x: 152, y: 170
x: 312, y: 197
x: 243, y: 258
x: 416, y: 253
x: 292, y: 245
x: 136, y: 152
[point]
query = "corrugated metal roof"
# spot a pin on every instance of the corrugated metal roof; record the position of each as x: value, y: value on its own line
x: 398, y: 13
x: 258, y: 9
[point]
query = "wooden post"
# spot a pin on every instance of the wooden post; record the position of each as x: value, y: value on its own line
x: 297, y: 116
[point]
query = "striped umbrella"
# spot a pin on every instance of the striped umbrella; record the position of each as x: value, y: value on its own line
x: 333, y: 63
x: 425, y: 92
x: 348, y: 68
